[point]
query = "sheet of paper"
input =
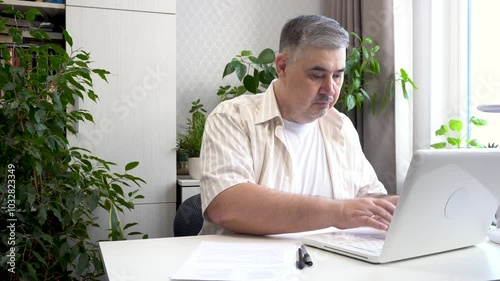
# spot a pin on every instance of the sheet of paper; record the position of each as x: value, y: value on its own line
x: 239, y: 261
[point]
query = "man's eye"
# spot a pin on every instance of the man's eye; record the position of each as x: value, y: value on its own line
x: 316, y: 76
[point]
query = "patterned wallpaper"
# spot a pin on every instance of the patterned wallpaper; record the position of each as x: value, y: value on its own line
x: 211, y: 32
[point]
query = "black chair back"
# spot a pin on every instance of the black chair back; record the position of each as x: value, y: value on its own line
x: 188, y: 218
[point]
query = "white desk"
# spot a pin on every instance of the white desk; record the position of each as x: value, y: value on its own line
x: 157, y: 259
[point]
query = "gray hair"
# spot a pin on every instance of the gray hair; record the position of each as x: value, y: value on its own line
x: 312, y: 30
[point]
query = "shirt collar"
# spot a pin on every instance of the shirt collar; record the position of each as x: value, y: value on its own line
x: 269, y: 110
x: 269, y: 106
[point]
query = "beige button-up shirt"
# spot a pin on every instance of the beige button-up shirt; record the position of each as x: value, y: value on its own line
x: 244, y: 141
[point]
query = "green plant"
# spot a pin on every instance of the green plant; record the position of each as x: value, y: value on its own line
x: 454, y: 135
x: 256, y: 73
x: 49, y: 189
x: 190, y: 142
x: 361, y: 65
x: 492, y: 145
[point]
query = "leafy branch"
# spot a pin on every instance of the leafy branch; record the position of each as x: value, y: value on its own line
x: 454, y: 135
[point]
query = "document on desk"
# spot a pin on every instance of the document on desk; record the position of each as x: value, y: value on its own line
x: 239, y: 261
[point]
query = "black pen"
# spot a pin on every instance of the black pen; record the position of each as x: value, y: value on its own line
x: 300, y: 259
x: 306, y: 258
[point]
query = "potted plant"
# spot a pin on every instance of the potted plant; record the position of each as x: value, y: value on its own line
x: 256, y: 73
x: 49, y: 188
x: 454, y: 135
x: 190, y: 142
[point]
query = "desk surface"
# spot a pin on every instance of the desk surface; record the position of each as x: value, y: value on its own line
x: 157, y: 259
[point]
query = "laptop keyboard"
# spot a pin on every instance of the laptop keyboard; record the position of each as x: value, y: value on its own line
x: 371, y: 245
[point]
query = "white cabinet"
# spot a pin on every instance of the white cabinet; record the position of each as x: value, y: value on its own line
x: 155, y: 6
x: 186, y: 187
x: 136, y: 112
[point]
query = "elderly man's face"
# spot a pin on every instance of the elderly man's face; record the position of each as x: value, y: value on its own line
x: 311, y: 83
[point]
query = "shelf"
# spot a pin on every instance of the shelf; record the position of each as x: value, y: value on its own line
x: 26, y: 34
x: 52, y: 35
x: 51, y: 9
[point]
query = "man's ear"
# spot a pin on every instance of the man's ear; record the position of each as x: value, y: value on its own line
x: 281, y: 64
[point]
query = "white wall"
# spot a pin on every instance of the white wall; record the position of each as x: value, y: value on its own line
x: 210, y: 33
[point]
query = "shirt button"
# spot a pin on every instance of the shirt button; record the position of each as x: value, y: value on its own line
x: 287, y: 178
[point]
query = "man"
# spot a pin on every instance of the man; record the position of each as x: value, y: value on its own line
x: 286, y: 160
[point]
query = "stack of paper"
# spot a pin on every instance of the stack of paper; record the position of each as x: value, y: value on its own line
x: 239, y: 261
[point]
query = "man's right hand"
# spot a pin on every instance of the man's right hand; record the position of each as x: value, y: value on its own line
x: 370, y: 212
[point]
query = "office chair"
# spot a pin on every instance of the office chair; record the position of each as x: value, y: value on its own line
x: 188, y: 218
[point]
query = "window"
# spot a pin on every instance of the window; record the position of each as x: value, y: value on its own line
x: 484, y: 71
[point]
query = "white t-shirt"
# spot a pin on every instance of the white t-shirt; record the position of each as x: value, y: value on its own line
x: 307, y: 149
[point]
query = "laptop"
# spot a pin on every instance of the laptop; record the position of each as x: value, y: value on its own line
x: 448, y: 202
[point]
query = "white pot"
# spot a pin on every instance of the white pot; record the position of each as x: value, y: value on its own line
x: 194, y: 168
x: 498, y: 217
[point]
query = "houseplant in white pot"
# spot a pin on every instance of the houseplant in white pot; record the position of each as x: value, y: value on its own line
x: 190, y: 142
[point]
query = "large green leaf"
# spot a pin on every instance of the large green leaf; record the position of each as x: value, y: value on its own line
x: 251, y: 83
x: 241, y: 71
x: 228, y: 69
x: 267, y: 56
x: 455, y: 125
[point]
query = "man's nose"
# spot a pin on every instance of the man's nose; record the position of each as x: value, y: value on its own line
x: 327, y: 87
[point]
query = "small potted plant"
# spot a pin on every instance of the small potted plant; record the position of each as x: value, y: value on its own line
x: 454, y: 135
x: 190, y: 142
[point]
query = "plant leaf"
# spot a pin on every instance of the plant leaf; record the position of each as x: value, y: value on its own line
x: 251, y: 83
x: 454, y: 141
x: 350, y: 102
x: 443, y: 130
x: 67, y: 38
x: 131, y: 165
x: 478, y: 121
x: 439, y: 145
x: 455, y: 125
x: 246, y: 53
x: 267, y: 56
x: 474, y: 143
x: 241, y: 71
x: 228, y: 69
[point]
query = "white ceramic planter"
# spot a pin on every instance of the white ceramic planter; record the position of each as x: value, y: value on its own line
x: 194, y: 168
x: 498, y: 217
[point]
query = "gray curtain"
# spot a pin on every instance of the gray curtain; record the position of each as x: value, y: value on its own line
x: 373, y: 18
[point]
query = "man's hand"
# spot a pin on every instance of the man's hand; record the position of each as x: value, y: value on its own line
x: 371, y: 212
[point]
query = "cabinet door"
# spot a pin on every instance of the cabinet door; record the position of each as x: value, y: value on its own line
x: 155, y: 6
x: 136, y: 112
